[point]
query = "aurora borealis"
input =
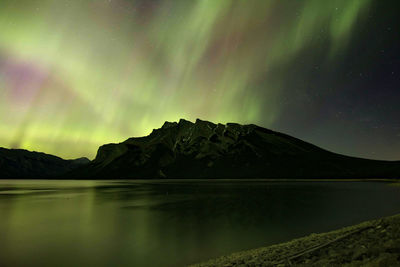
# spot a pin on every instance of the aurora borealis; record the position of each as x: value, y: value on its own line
x: 75, y: 74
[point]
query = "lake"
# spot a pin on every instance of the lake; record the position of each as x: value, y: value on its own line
x: 172, y: 222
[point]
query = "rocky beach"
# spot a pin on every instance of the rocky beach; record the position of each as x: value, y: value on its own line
x: 371, y: 243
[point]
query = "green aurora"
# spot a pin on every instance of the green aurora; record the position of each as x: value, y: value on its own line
x: 77, y: 74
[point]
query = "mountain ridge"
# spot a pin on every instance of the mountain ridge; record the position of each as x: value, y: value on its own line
x: 24, y: 164
x: 199, y: 149
x: 207, y: 150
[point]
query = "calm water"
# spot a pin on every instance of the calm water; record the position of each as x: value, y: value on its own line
x: 171, y: 223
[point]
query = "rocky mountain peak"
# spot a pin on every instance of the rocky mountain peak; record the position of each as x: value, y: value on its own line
x: 203, y: 149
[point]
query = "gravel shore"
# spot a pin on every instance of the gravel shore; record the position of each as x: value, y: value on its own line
x: 372, y: 243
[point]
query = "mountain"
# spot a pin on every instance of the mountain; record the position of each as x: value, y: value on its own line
x: 206, y: 150
x: 19, y: 163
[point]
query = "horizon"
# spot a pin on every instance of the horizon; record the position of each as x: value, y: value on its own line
x: 193, y: 122
x: 75, y: 75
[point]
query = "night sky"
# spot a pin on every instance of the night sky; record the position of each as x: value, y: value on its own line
x: 75, y: 74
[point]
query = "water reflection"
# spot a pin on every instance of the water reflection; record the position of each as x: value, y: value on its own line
x: 171, y: 223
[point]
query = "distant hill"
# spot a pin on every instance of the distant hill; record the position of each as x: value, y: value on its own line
x: 206, y: 150
x: 23, y: 164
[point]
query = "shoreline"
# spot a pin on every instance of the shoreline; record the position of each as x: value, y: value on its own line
x: 389, y: 180
x: 371, y: 243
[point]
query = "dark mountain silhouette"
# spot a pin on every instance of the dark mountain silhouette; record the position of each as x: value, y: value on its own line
x: 19, y: 163
x: 207, y: 150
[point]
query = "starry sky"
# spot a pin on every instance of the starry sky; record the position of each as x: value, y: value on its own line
x: 75, y: 74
